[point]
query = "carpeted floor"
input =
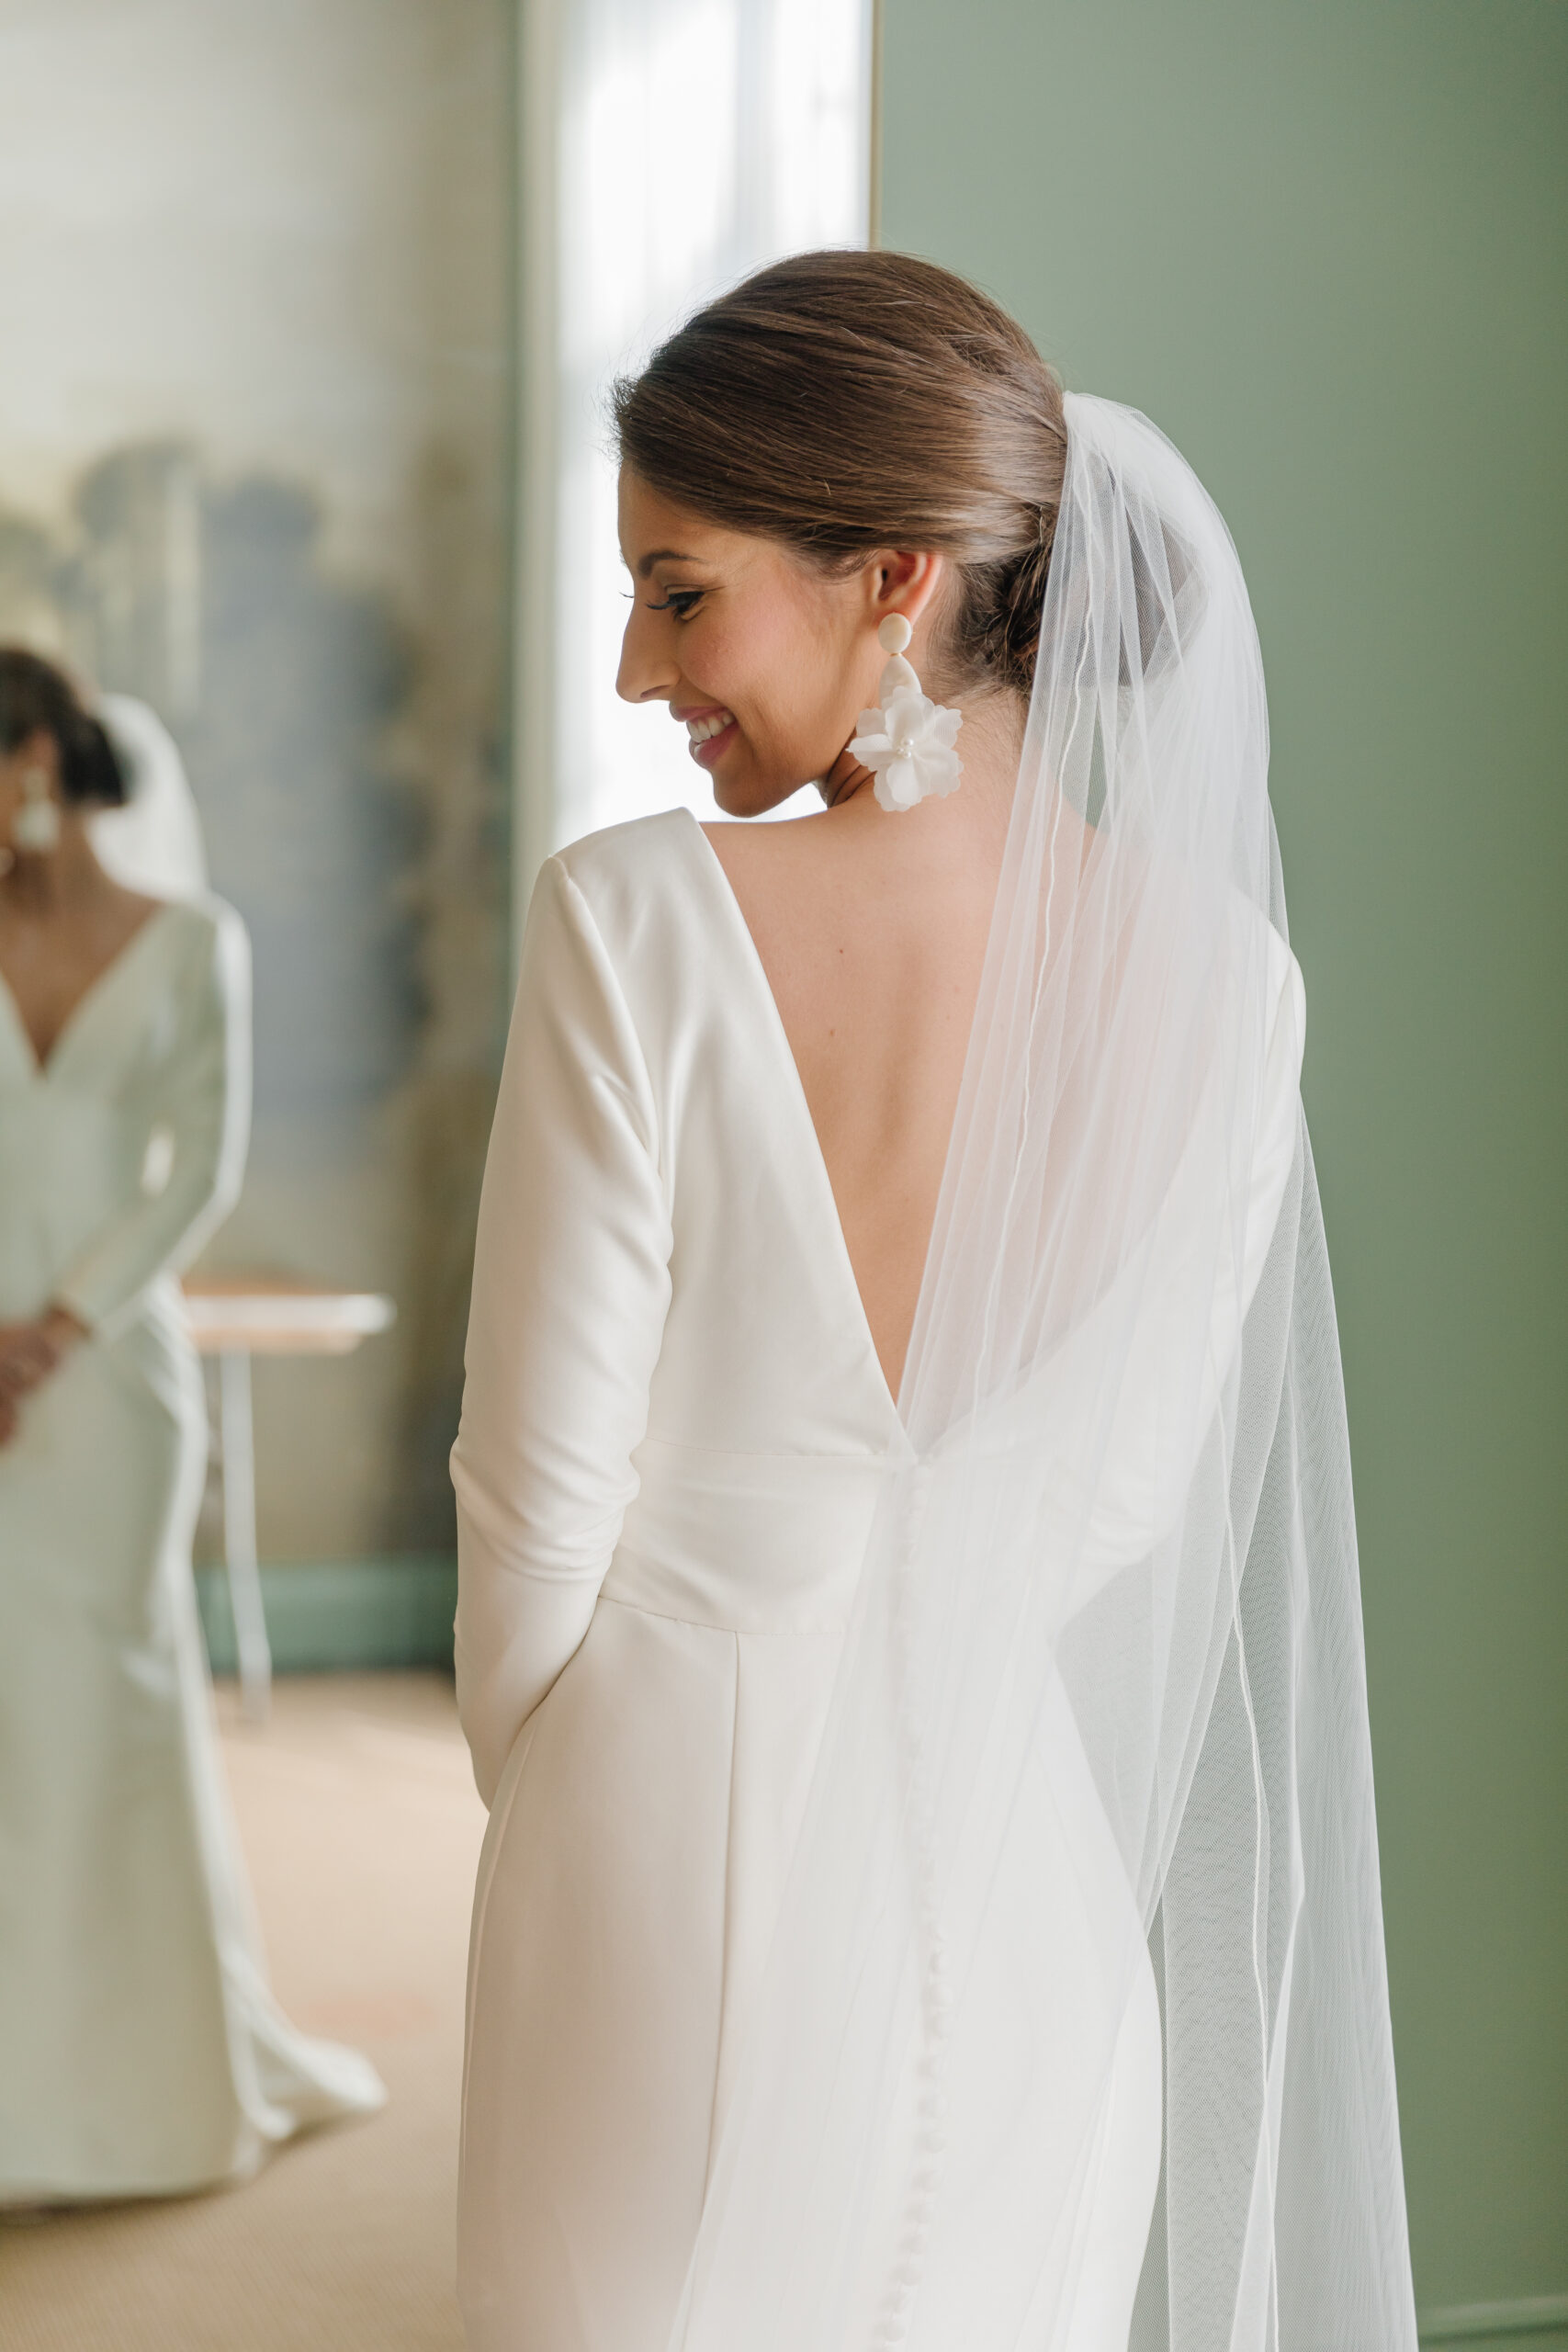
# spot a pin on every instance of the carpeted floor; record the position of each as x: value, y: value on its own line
x: 362, y: 1830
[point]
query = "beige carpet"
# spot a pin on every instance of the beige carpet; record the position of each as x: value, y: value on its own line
x: 362, y: 1830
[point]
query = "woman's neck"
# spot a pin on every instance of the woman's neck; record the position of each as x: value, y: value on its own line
x: 56, y: 881
x: 991, y: 744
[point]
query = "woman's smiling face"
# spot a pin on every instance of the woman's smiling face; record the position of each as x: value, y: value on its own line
x: 766, y: 661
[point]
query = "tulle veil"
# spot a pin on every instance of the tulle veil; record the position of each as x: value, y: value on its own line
x: 1110, y: 1608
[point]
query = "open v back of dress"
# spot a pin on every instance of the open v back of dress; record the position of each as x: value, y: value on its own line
x: 874, y: 979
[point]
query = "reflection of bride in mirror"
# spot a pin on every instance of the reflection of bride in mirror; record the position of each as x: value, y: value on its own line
x: 139, y: 2048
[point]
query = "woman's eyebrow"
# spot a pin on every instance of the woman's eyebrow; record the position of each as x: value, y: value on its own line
x: 660, y: 555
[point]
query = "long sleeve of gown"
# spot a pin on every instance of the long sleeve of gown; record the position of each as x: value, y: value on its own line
x: 571, y: 1286
x: 202, y: 1106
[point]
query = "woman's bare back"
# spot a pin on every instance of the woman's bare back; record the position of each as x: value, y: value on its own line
x: 872, y: 932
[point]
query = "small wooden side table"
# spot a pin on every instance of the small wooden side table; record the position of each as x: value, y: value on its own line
x: 234, y: 1318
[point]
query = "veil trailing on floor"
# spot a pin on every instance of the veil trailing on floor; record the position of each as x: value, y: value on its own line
x: 1099, y: 1732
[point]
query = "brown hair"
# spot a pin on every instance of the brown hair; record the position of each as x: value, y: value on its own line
x: 846, y: 402
x: 35, y: 696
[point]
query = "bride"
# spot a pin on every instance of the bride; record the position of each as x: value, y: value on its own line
x: 908, y: 1631
x: 142, y: 2053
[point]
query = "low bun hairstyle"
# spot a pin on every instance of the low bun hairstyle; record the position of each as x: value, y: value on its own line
x: 845, y: 401
x: 34, y: 696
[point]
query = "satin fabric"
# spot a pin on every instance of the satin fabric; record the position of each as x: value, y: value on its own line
x: 675, y: 1432
x: 141, y: 2050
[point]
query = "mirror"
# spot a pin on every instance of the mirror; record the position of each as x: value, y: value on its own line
x: 255, y: 488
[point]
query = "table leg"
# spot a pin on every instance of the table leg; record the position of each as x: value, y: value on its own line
x: 238, y: 1438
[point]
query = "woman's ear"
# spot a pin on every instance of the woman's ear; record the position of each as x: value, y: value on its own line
x: 903, y: 580
x: 39, y: 750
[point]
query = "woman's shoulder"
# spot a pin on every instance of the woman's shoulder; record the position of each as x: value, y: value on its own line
x: 637, y: 924
x: 202, y: 916
x: 646, y: 887
x: 208, y: 939
x: 646, y: 855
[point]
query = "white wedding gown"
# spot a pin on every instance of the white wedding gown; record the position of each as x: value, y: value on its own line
x: 673, y: 1435
x: 141, y: 2050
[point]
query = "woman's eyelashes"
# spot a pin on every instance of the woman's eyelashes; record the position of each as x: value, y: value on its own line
x: 682, y: 602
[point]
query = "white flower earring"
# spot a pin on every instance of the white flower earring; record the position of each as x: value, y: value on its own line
x: 36, y: 825
x: 907, y: 743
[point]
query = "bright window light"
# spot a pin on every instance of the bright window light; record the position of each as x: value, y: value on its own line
x: 696, y: 139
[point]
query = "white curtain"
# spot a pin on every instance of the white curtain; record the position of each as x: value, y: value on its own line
x: 696, y: 139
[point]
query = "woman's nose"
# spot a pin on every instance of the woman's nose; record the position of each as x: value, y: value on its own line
x: 647, y: 672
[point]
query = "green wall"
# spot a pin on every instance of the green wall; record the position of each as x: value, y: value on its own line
x: 1325, y: 247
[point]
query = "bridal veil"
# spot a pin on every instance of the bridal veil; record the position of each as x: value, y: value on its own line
x: 1110, y: 1608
